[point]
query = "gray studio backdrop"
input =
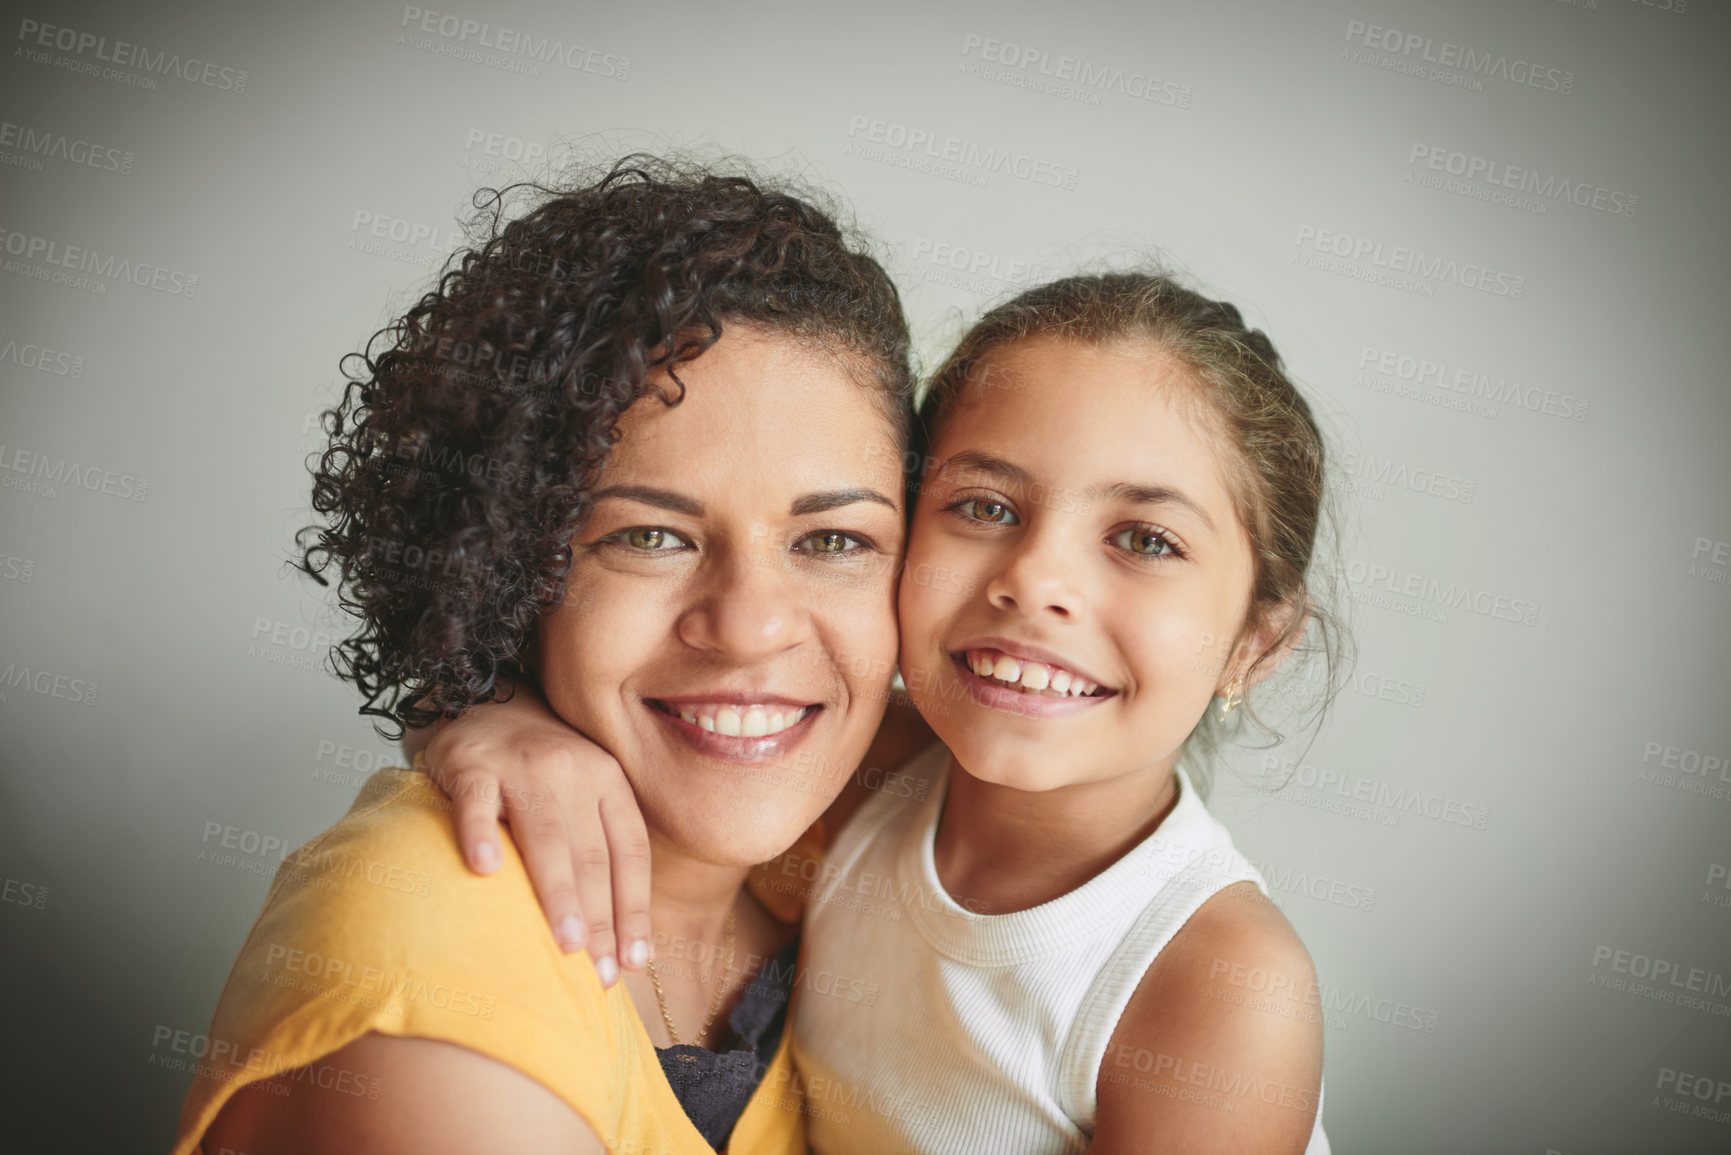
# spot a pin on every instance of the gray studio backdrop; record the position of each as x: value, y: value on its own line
x: 1489, y: 238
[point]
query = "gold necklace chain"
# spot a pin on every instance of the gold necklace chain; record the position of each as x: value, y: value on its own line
x: 714, y: 1007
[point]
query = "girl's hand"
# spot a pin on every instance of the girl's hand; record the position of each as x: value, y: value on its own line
x: 571, y: 812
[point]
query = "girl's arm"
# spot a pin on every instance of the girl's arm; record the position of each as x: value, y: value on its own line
x: 574, y: 818
x: 570, y: 810
x: 1220, y: 1049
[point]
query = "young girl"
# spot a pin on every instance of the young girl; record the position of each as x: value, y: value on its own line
x: 1038, y: 939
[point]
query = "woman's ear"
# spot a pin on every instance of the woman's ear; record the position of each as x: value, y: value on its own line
x: 1267, y: 640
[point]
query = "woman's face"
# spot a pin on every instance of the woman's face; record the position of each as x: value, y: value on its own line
x: 728, y: 628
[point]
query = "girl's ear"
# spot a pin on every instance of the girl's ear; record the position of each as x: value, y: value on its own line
x: 1267, y: 641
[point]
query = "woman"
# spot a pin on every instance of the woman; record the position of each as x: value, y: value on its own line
x: 673, y: 404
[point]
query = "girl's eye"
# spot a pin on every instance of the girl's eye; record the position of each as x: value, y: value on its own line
x: 1145, y: 541
x: 985, y: 510
x: 650, y: 539
x: 831, y: 541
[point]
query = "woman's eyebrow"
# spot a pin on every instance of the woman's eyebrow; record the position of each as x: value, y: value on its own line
x: 829, y: 499
x: 649, y: 495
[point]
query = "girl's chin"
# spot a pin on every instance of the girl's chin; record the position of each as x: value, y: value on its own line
x: 1019, y: 763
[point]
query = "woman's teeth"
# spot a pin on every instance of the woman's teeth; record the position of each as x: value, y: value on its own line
x: 1028, y: 677
x: 742, y: 721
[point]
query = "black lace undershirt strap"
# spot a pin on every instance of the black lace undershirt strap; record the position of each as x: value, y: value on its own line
x: 714, y: 1086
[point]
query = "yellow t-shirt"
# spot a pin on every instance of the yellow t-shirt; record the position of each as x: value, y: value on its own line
x: 378, y: 925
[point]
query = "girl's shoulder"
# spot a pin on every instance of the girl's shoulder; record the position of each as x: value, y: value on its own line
x: 1231, y: 1008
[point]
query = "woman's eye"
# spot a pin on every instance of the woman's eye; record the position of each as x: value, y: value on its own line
x: 651, y: 539
x: 1144, y: 542
x: 829, y: 541
x: 990, y: 512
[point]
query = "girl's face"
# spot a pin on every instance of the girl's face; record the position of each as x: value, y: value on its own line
x: 1077, y: 575
x: 728, y: 627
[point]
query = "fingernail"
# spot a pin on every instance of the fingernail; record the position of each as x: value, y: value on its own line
x: 608, y: 970
x: 570, y: 934
x: 637, y: 953
x: 486, y: 858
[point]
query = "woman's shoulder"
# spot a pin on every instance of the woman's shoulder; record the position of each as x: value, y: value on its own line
x: 376, y: 926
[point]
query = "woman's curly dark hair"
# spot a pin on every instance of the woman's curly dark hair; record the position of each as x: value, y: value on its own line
x: 462, y: 454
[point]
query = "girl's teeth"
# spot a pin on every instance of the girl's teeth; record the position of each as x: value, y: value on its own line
x: 706, y: 723
x: 1034, y: 677
x: 688, y: 716
x: 729, y: 722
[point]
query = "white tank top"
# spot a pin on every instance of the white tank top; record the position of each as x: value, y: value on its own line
x: 951, y: 1032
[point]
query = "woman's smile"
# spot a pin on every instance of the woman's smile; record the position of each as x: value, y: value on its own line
x: 738, y: 727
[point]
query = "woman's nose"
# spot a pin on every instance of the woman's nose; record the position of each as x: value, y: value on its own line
x: 748, y: 607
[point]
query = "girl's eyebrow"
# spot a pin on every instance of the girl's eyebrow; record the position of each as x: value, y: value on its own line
x: 986, y: 463
x: 1125, y: 491
x: 1157, y: 495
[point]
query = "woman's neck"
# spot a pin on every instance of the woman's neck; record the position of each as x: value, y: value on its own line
x: 1000, y: 850
x: 709, y: 942
x: 689, y: 898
